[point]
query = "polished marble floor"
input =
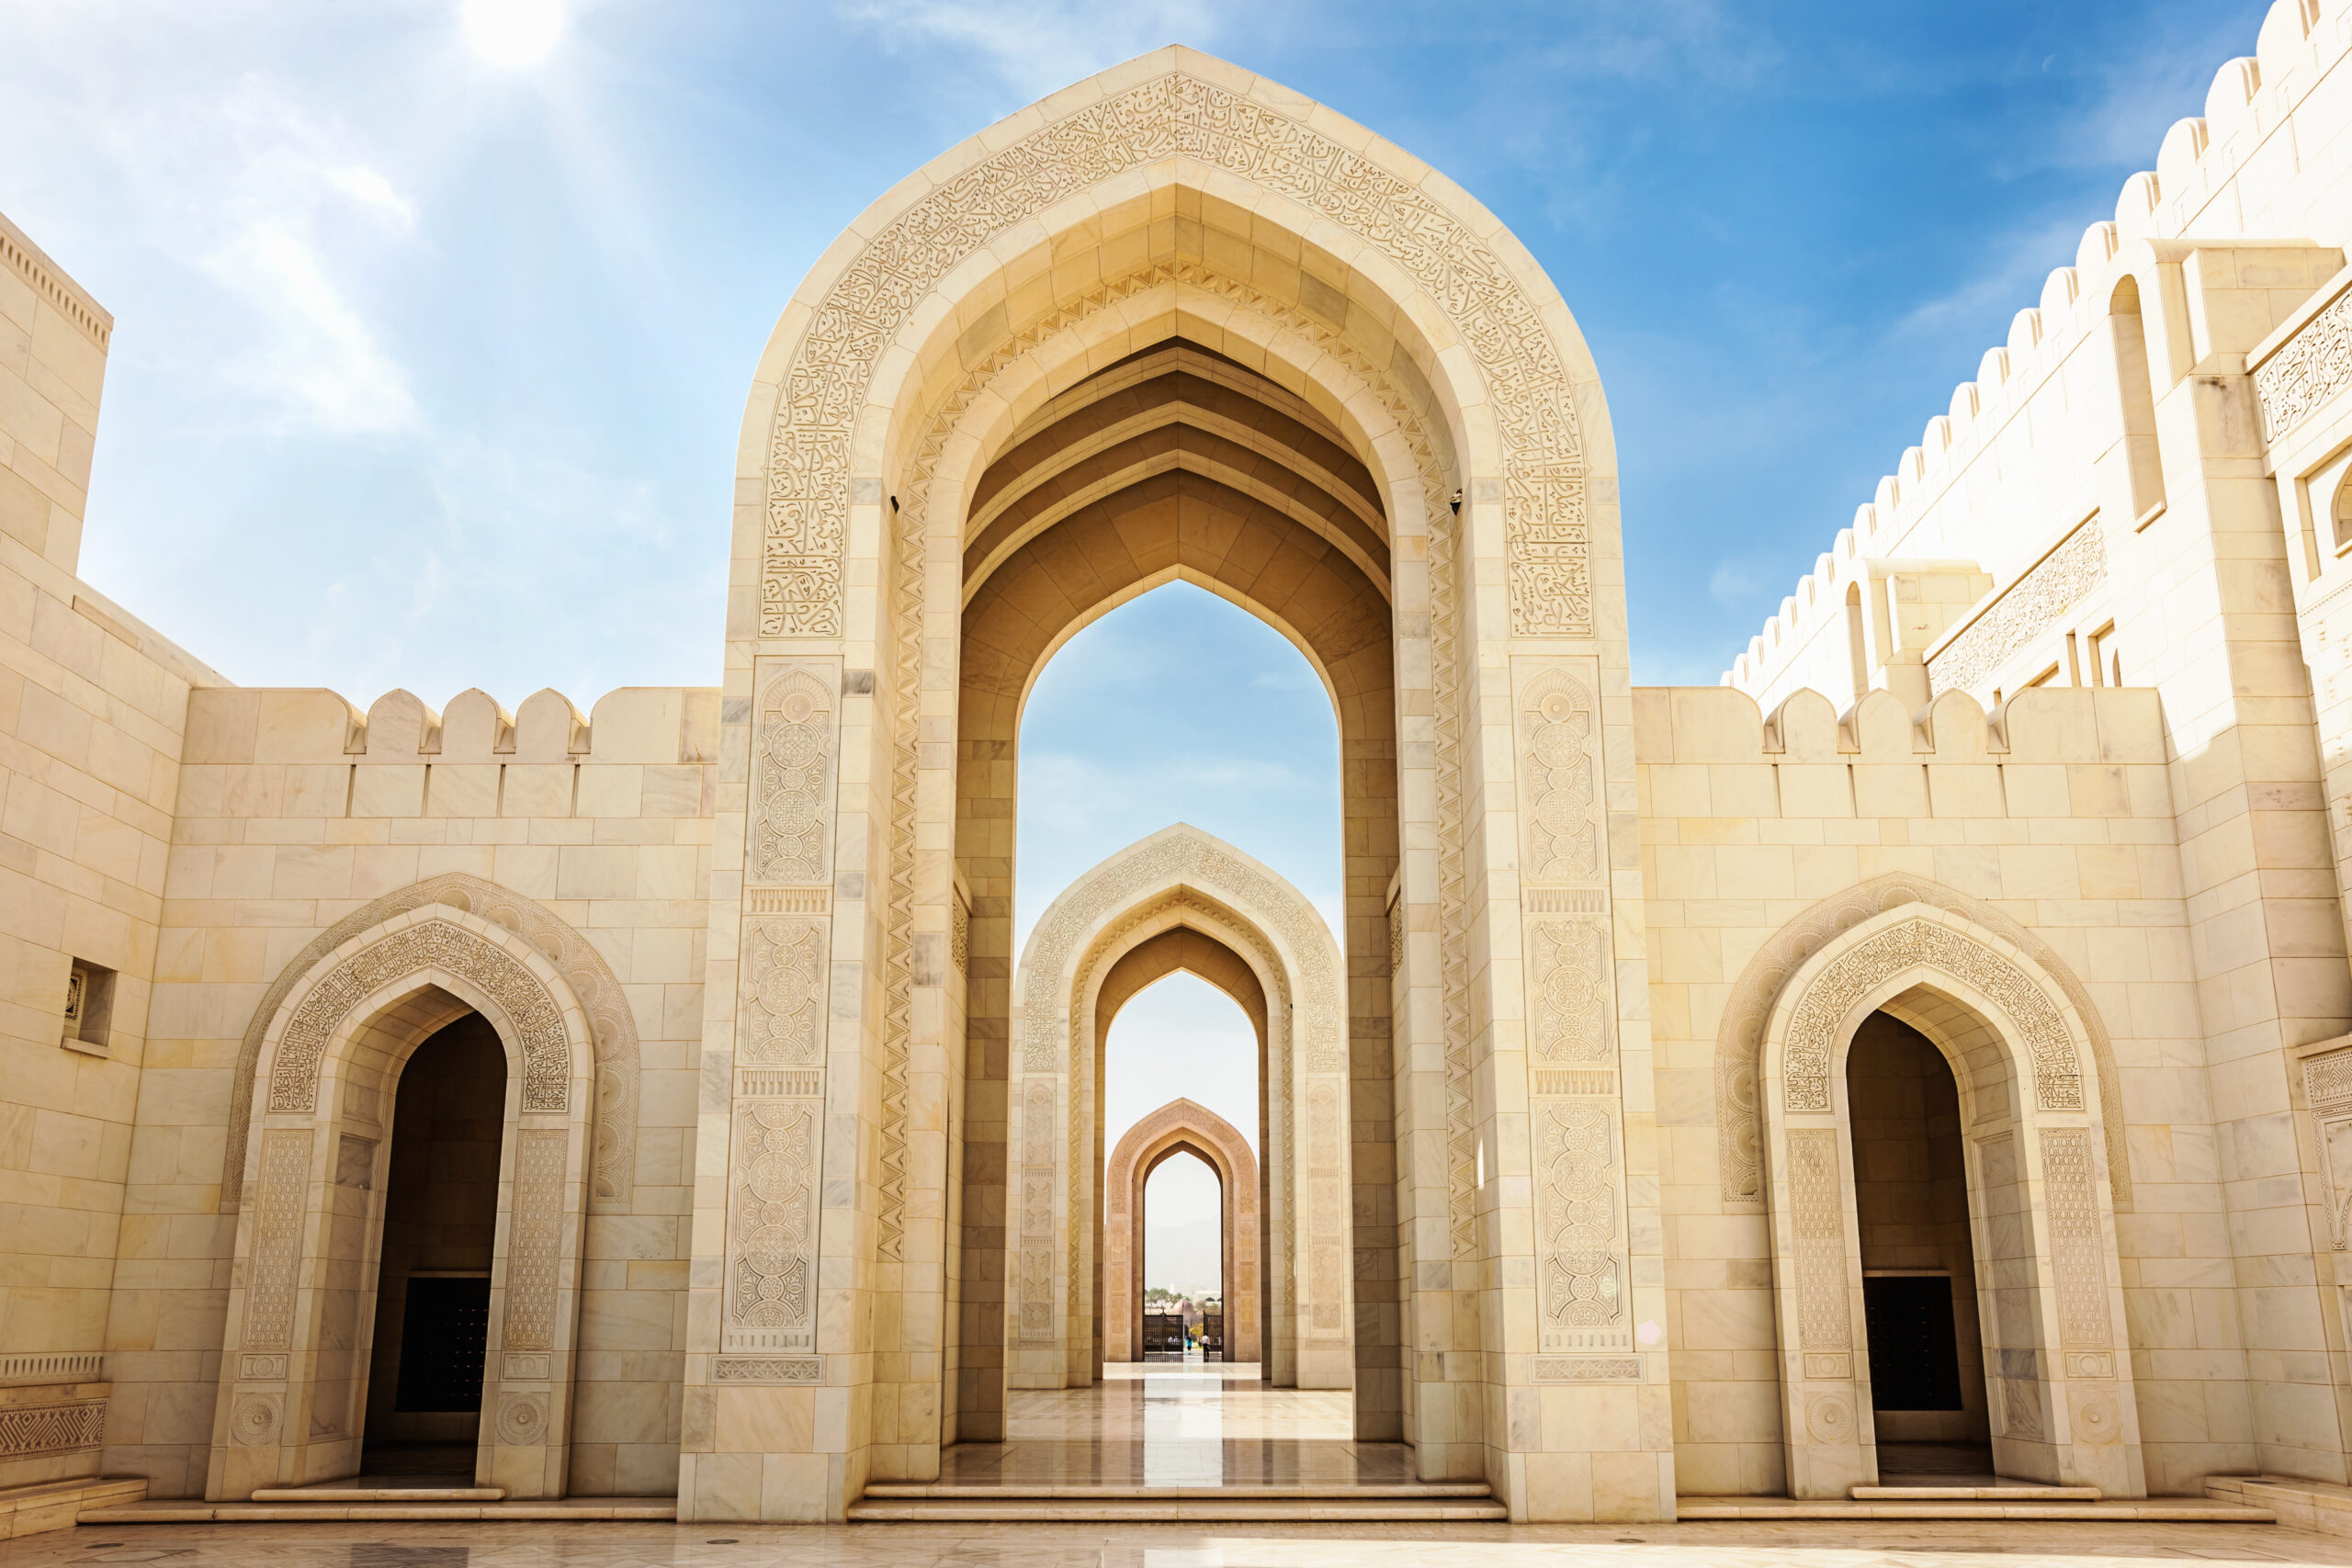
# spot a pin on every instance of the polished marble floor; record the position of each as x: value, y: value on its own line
x: 1934, y: 1544
x: 1169, y: 1424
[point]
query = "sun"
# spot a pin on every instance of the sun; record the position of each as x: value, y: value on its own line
x: 511, y: 33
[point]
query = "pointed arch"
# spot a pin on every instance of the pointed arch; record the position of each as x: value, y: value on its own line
x: 612, y: 1026
x: 2050, y: 1283
x: 1181, y: 1125
x: 1739, y: 1036
x: 301, y: 1288
x: 1179, y: 878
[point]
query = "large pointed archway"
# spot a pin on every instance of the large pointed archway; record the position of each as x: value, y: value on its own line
x: 1178, y: 322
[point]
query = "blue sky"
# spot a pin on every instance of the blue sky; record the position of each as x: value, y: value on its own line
x: 428, y: 370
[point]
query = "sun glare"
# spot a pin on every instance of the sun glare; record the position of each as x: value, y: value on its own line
x: 512, y: 32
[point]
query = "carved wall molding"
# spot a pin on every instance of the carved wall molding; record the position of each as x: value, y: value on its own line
x: 1175, y: 116
x: 612, y: 1025
x: 1811, y: 1048
x: 1740, y: 1037
x: 2306, y: 370
x: 2025, y: 610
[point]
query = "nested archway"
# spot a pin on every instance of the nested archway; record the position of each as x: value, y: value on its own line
x: 1179, y: 879
x: 1179, y: 1127
x: 2041, y: 1211
x: 1339, y: 303
x: 295, y: 1346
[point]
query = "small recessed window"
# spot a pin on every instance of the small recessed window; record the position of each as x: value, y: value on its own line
x: 89, y: 1007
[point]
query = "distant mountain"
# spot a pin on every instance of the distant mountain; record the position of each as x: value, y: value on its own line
x: 1184, y: 1258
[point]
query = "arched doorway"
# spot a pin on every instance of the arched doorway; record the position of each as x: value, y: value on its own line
x: 2059, y: 1399
x: 439, y: 1241
x: 1181, y: 1127
x: 302, y: 1302
x: 1920, y: 1285
x: 1213, y: 332
x: 1179, y: 886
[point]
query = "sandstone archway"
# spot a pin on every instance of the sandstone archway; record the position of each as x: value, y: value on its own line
x: 1177, y: 324
x: 2041, y: 1209
x: 294, y: 1349
x: 1179, y: 1127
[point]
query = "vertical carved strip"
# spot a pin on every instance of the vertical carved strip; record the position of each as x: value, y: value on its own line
x: 1557, y: 793
x: 2075, y: 1253
x: 1579, y: 1256
x: 277, y: 1238
x: 783, y: 1011
x: 1817, y: 1213
x: 1037, y: 1211
x: 535, y: 1243
x: 771, y: 1253
x: 1570, y: 996
x: 1327, y: 1290
x: 795, y: 737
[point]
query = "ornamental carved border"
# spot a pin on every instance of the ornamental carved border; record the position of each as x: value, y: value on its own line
x: 536, y: 1019
x: 2025, y: 610
x: 1739, y: 1038
x: 2308, y: 370
x: 1546, y: 527
x: 1811, y: 1043
x: 612, y: 1025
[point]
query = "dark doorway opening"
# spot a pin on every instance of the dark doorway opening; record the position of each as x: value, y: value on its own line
x: 433, y: 1284
x: 1927, y: 1359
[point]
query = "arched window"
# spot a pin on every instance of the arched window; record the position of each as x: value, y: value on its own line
x: 2137, y: 403
x: 1857, y: 644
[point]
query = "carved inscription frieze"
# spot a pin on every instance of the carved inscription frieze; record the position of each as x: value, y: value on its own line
x: 536, y: 1020
x: 2308, y: 370
x: 1812, y: 1042
x: 2026, y: 609
x: 1546, y: 527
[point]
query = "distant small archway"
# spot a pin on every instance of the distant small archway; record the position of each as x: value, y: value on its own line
x: 1181, y: 1126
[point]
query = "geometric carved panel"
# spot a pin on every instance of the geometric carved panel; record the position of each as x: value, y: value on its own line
x: 2077, y: 1254
x: 792, y: 743
x: 1578, y: 1256
x: 537, y: 1232
x: 1817, y: 1215
x: 277, y: 1238
x: 771, y: 1225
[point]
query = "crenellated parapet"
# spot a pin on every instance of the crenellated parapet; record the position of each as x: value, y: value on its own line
x: 2013, y: 466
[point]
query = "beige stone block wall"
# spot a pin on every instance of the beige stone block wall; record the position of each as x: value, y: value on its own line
x: 92, y: 709
x: 2060, y: 821
x: 296, y: 813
